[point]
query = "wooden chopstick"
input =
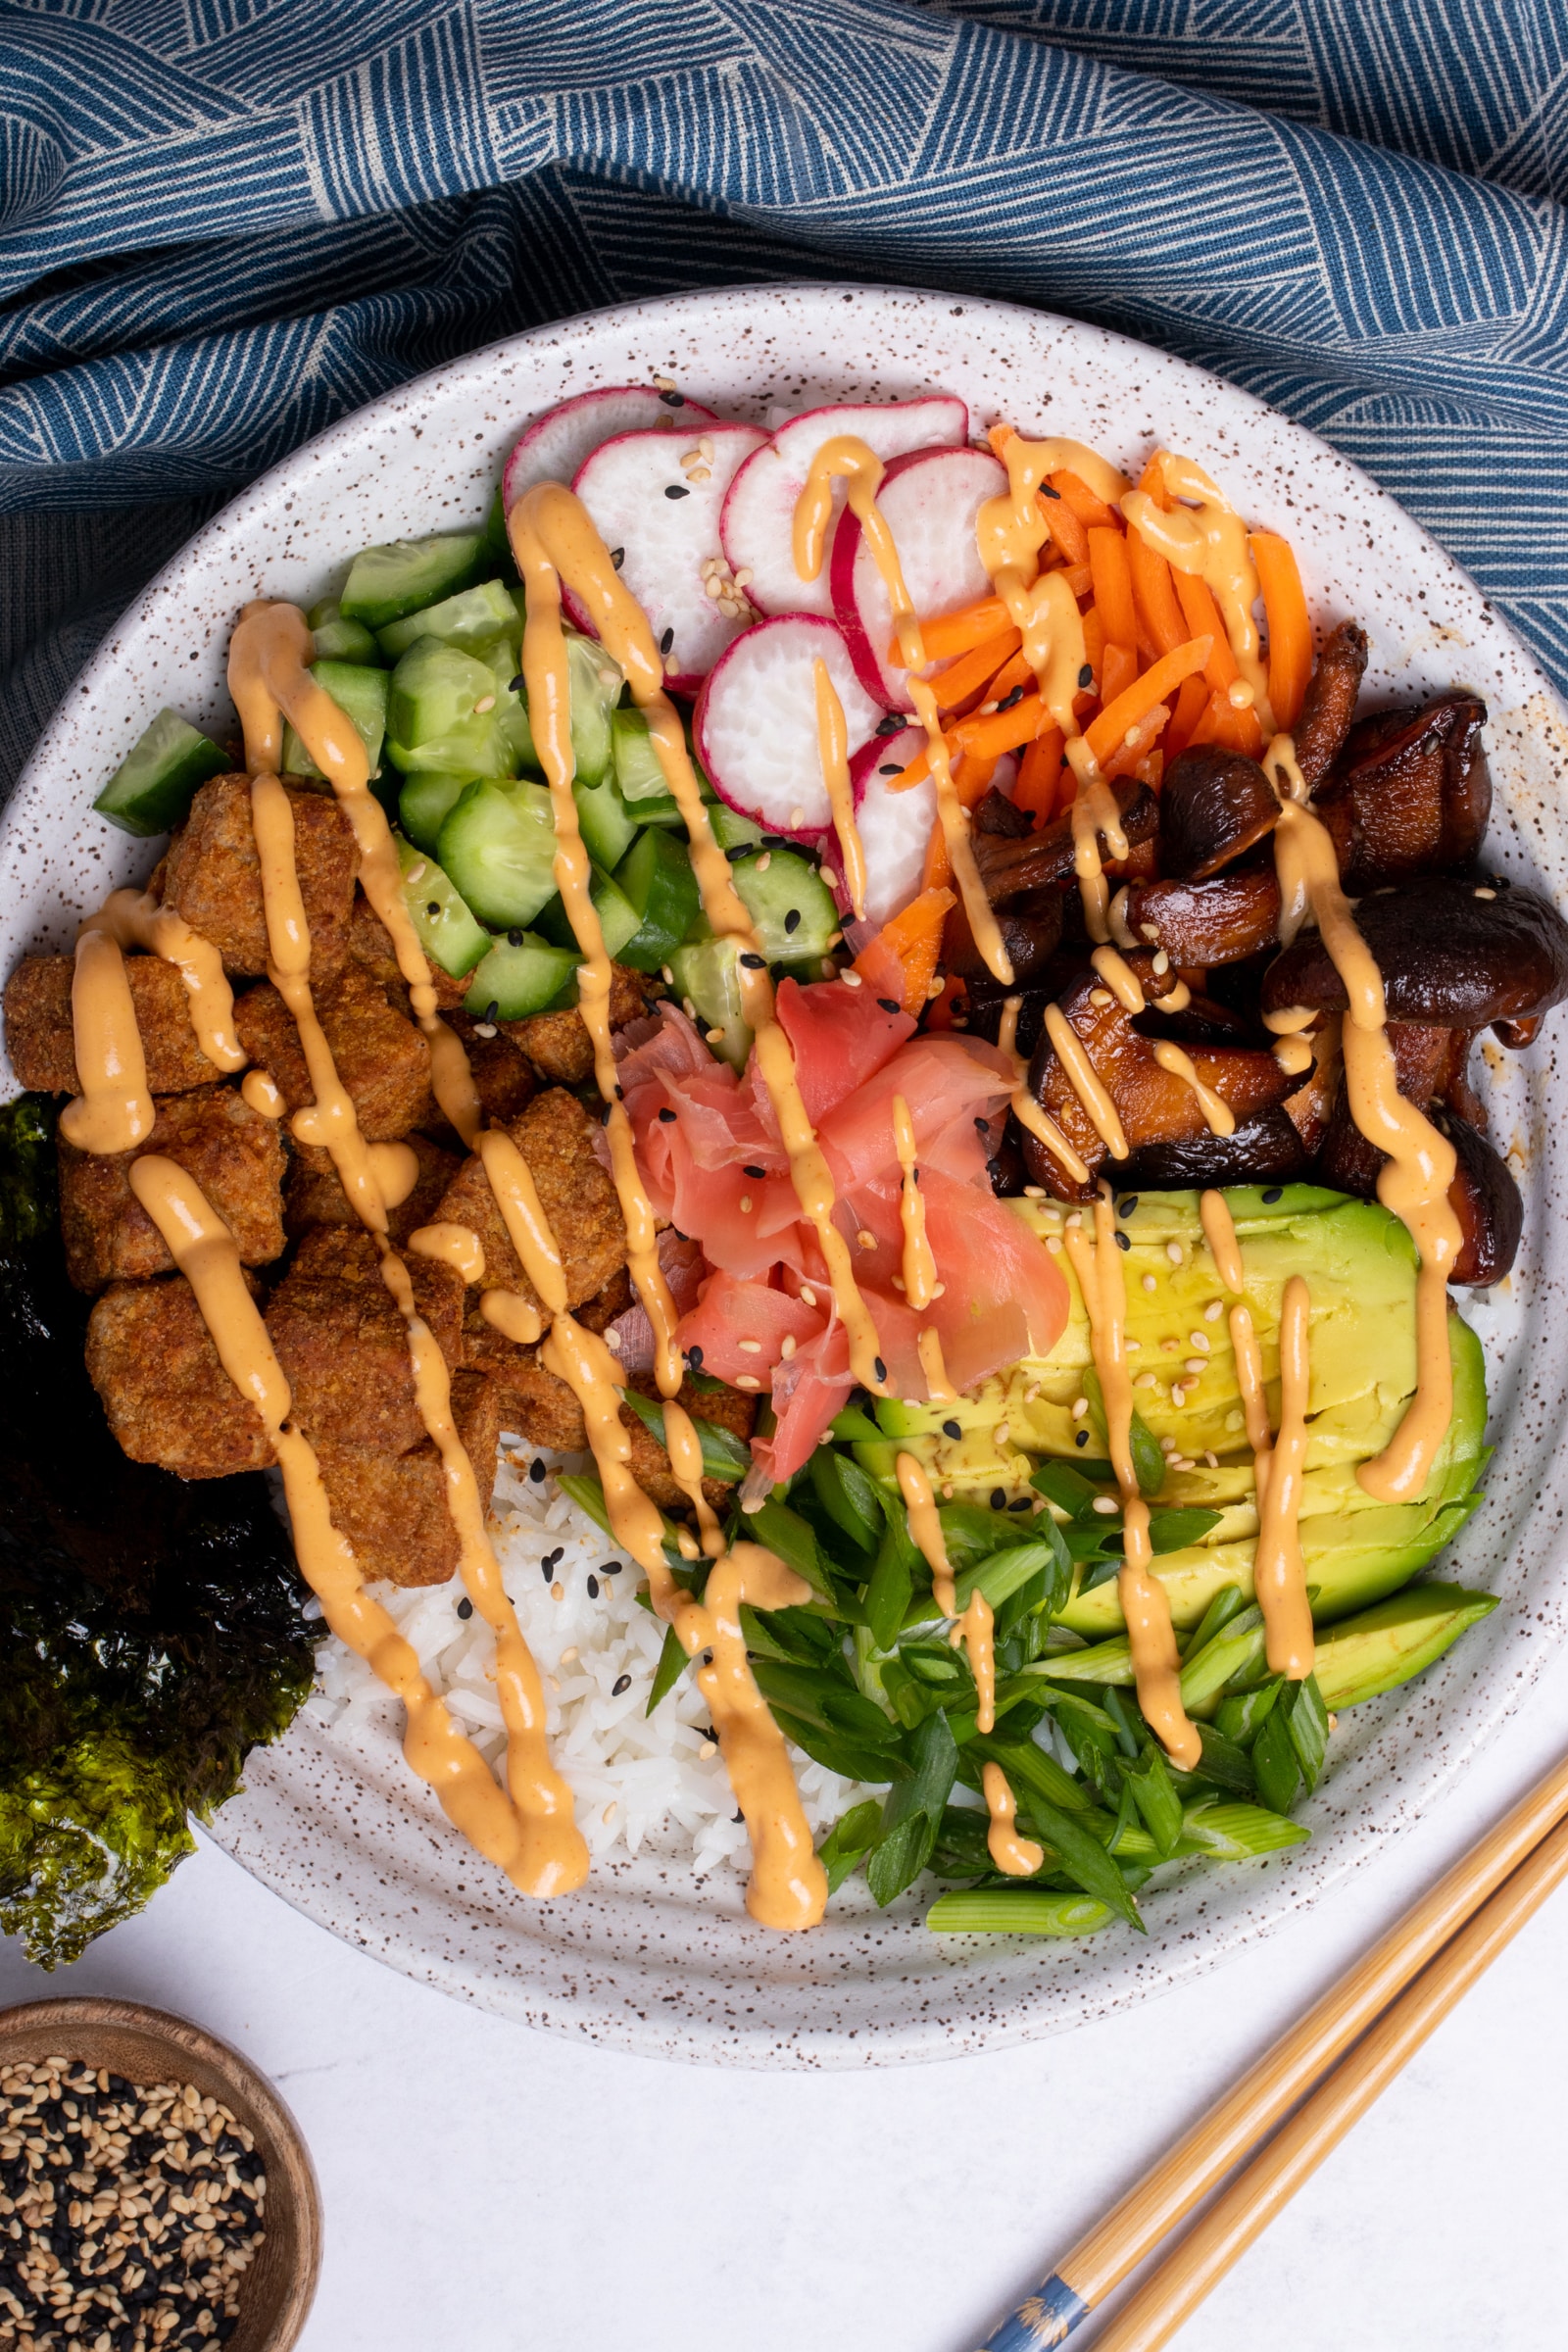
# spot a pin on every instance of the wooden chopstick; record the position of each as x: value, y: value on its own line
x: 1220, y: 2139
x: 1244, y: 2209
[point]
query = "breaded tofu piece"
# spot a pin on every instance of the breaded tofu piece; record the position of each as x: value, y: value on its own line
x: 554, y: 1136
x: 558, y: 1045
x: 393, y: 1507
x: 344, y: 1346
x: 212, y: 874
x: 503, y: 1079
x: 165, y: 1392
x: 236, y: 1156
x: 313, y: 1196
x: 38, y: 1036
x: 370, y: 946
x: 381, y: 1057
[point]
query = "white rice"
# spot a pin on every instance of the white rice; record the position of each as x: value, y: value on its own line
x: 643, y: 1783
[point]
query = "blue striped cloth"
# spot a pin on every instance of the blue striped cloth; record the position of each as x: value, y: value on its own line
x: 226, y: 222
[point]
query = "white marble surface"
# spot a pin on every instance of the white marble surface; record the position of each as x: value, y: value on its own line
x: 495, y: 2189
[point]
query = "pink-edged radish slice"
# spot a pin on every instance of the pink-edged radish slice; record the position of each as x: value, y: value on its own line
x: 759, y: 519
x: 755, y: 722
x: 930, y: 501
x: 660, y: 516
x: 554, y: 445
x: 895, y: 827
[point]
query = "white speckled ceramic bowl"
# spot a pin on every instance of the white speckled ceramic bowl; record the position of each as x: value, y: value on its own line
x: 645, y: 1958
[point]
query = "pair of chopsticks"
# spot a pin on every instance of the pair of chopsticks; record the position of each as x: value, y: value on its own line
x: 1387, y: 2007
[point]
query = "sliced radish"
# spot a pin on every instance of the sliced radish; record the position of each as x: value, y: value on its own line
x: 554, y: 445
x: 662, y: 517
x: 930, y: 500
x: 759, y: 519
x: 755, y: 722
x: 895, y: 827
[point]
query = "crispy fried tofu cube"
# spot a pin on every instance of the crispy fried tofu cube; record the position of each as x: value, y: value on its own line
x: 393, y: 1509
x: 313, y: 1193
x: 165, y: 1392
x: 370, y: 946
x: 381, y: 1057
x: 344, y: 1346
x: 236, y: 1156
x: 212, y: 874
x: 558, y: 1045
x: 503, y: 1079
x: 39, y: 1035
x: 554, y: 1136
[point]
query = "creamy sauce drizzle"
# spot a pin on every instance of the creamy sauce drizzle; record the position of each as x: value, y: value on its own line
x: 1151, y: 1639
x: 1018, y: 1857
x: 926, y: 1526
x: 1255, y: 1398
x: 1081, y: 1075
x: 1414, y: 1182
x: 261, y: 1090
x: 452, y: 1244
x: 1279, y: 1574
x: 833, y: 751
x: 919, y: 1265
x: 135, y: 919
x: 1025, y: 1109
x: 507, y: 1312
x: 1206, y: 537
x: 114, y: 1112
x: 928, y: 1347
x: 1218, y: 1116
x: 530, y: 1834
x: 847, y: 459
x: 974, y: 1631
x: 1120, y: 978
x: 1219, y: 1231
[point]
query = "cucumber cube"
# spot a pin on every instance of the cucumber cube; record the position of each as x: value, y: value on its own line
x: 609, y: 827
x: 637, y: 768
x: 426, y: 803
x: 708, y: 977
x: 445, y: 926
x: 159, y: 777
x: 360, y: 693
x: 386, y: 582
x: 498, y: 844
x: 436, y: 722
x: 657, y: 880
x: 596, y: 684
x: 337, y: 639
x: 791, y: 906
x: 617, y: 920
x: 520, y: 975
x: 731, y: 830
x: 469, y: 621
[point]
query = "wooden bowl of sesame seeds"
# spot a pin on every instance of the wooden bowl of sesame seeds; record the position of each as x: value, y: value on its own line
x: 120, y: 2044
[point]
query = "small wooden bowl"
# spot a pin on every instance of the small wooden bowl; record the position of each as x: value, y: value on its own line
x: 146, y: 2046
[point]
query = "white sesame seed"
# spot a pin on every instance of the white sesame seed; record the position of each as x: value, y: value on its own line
x: 851, y: 979
x: 746, y: 1205
x: 1196, y: 1365
x: 1173, y: 1250
x: 865, y: 1239
x: 1106, y: 1506
x: 797, y: 819
x: 786, y: 1345
x: 765, y: 861
x: 1080, y: 1406
x: 750, y: 1346
x: 747, y: 1380
x: 807, y: 1295
x: 715, y: 587
x: 1161, y: 963
x: 1149, y: 1283
x: 1198, y: 1340
x: 1214, y: 1310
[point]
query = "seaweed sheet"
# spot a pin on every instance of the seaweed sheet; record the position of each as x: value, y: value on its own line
x: 152, y: 1631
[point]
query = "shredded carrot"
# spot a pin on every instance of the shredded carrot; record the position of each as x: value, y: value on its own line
x: 938, y: 871
x: 1191, y: 703
x: 1077, y: 495
x: 1111, y: 728
x: 1151, y: 482
x: 1155, y: 595
x: 1113, y: 578
x: 1038, y: 776
x: 1290, y: 631
x: 1001, y: 730
x: 972, y: 772
x: 1066, y: 530
x: 1094, y: 643
x: 1125, y: 759
x: 1117, y: 670
x: 965, y: 676
x: 1202, y: 615
x: 954, y: 633
x: 916, y: 772
x: 1078, y: 579
x: 1222, y: 723
x: 911, y: 944
x: 1016, y: 672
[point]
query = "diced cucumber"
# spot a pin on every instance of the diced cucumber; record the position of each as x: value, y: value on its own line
x: 731, y: 830
x: 708, y: 977
x: 501, y: 658
x: 609, y: 827
x: 337, y: 639
x: 617, y: 919
x: 521, y: 974
x: 160, y: 775
x: 665, y: 812
x: 386, y: 582
x: 426, y: 803
x: 469, y: 621
x: 446, y: 928
x: 434, y: 722
x: 790, y: 903
x: 596, y: 684
x: 657, y: 880
x: 637, y: 768
x: 495, y: 547
x: 499, y: 845
x: 360, y: 693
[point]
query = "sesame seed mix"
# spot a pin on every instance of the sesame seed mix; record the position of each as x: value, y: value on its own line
x: 128, y: 2215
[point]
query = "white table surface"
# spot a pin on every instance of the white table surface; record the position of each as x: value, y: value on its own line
x: 494, y: 2189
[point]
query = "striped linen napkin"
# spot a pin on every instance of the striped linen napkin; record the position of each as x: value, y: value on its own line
x: 226, y: 222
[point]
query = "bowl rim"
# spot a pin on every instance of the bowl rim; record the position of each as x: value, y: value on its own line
x: 266, y: 2113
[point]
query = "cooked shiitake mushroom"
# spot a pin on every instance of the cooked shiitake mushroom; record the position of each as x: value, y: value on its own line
x: 1220, y: 921
x: 1031, y: 931
x: 1329, y: 706
x: 1411, y: 794
x: 1486, y: 1201
x: 1456, y: 954
x: 1214, y: 806
x: 1011, y: 867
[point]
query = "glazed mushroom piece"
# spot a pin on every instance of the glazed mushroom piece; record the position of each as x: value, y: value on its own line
x: 1328, y: 709
x: 1215, y: 806
x: 1411, y: 794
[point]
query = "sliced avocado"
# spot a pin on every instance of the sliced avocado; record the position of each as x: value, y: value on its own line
x: 1399, y: 1638
x: 1359, y: 1264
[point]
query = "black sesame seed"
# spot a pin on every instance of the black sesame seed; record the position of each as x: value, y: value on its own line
x: 676, y: 490
x: 464, y: 1609
x: 514, y: 939
x: 1276, y: 1191
x: 998, y: 1499
x: 593, y: 1588
x: 891, y: 768
x: 618, y: 556
x: 1021, y: 1505
x: 548, y: 1568
x: 667, y: 1117
x: 519, y: 684
x: 952, y: 1428
x: 673, y: 400
x: 1124, y: 1241
x: 611, y: 1567
x: 1086, y: 676
x: 890, y: 1003
x: 536, y: 1471
x: 891, y: 725
x: 792, y: 921
x: 1008, y: 701
x: 1127, y: 1206
x: 623, y: 1682
x: 754, y: 964
x: 879, y: 1367
x: 1046, y: 491
x: 1081, y: 1438
x: 756, y: 1172
x: 666, y: 640
x: 693, y: 1356
x: 558, y: 1555
x: 492, y: 1011
x: 981, y: 1126
x: 737, y: 1815
x: 432, y: 907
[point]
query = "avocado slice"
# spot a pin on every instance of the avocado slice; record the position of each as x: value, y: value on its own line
x: 1392, y: 1644
x: 1359, y: 1264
